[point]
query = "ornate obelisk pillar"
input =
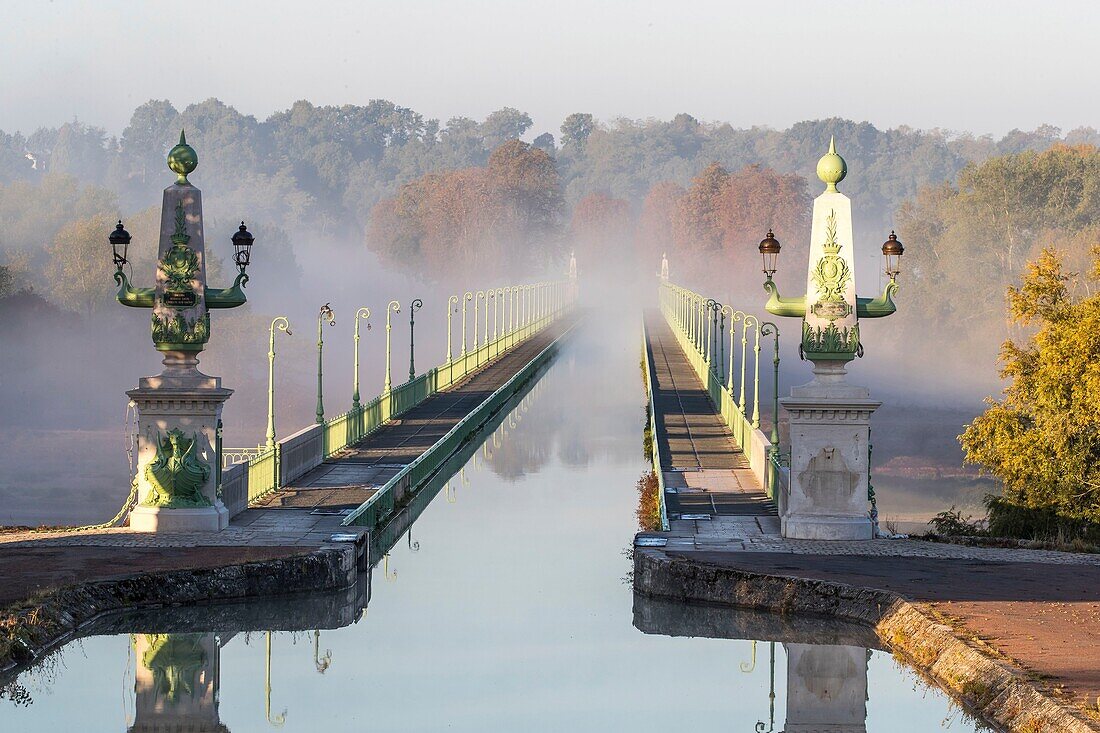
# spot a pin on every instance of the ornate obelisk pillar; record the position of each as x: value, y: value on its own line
x: 179, y: 410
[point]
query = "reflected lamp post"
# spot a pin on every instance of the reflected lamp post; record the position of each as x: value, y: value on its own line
x: 392, y: 307
x: 364, y: 315
x: 282, y: 324
x: 414, y: 306
x: 325, y: 314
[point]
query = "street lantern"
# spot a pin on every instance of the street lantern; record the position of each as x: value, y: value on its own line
x: 120, y: 238
x: 892, y: 250
x: 769, y: 251
x: 242, y: 247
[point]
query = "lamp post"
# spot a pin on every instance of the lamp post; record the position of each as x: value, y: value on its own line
x: 714, y: 307
x: 465, y: 299
x: 361, y: 314
x: 281, y: 323
x: 488, y: 296
x: 392, y: 307
x: 414, y: 306
x: 322, y: 315
x: 828, y: 411
x: 478, y: 296
x: 452, y: 307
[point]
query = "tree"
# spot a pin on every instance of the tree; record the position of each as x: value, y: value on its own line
x: 1042, y: 439
x: 504, y: 125
x: 545, y: 143
x: 654, y: 234
x: 576, y: 128
x: 79, y: 271
x: 698, y: 228
x: 602, y: 232
x: 967, y: 243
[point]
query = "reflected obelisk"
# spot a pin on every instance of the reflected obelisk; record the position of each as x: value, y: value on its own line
x: 826, y: 689
x: 176, y: 683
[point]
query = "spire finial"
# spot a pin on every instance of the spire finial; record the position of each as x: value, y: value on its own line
x: 182, y: 159
x: 831, y: 169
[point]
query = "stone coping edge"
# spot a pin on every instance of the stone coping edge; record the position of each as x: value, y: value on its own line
x: 47, y: 622
x: 986, y: 686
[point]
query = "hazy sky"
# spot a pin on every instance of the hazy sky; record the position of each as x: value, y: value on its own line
x: 980, y: 66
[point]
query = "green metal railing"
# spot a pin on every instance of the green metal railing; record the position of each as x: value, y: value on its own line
x: 519, y: 312
x: 382, y: 503
x: 698, y: 323
x: 655, y: 452
x: 350, y: 428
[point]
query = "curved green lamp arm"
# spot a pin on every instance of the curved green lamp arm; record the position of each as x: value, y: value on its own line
x: 131, y: 296
x: 228, y: 297
x: 788, y: 307
x: 878, y: 307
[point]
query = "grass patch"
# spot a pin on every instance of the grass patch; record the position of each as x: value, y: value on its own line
x: 649, y: 502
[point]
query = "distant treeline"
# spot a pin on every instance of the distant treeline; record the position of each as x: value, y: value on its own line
x: 328, y: 166
x: 445, y: 200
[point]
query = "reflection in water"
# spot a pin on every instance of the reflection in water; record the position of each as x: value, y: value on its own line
x: 827, y: 661
x: 176, y: 683
x: 509, y: 613
x: 826, y: 688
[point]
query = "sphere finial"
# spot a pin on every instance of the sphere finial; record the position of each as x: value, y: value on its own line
x: 182, y: 159
x: 831, y: 169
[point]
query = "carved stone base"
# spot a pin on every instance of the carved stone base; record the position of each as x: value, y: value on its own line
x: 156, y: 519
x: 177, y: 461
x: 830, y: 429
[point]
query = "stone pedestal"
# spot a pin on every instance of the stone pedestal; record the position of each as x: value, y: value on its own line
x: 826, y: 689
x: 830, y: 423
x: 177, y: 463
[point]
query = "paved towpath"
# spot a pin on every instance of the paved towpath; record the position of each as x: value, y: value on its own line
x: 704, y: 470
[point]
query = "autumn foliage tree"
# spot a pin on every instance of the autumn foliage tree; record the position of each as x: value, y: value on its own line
x: 499, y: 219
x: 711, y: 230
x: 1042, y: 439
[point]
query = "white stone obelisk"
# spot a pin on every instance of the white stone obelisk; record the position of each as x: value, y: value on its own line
x: 829, y: 418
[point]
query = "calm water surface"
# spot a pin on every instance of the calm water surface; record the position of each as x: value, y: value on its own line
x: 508, y: 608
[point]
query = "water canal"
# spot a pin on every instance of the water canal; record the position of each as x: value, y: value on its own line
x: 507, y: 607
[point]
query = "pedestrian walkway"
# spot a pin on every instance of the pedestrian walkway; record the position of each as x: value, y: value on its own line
x: 351, y: 476
x: 705, y: 472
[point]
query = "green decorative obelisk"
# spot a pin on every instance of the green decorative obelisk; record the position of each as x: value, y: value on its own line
x: 179, y: 409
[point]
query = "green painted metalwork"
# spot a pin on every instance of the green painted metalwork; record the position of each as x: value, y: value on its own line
x: 182, y: 159
x: 466, y: 298
x: 177, y: 474
x: 325, y: 313
x: 282, y: 324
x: 654, y: 428
x: 176, y: 324
x: 382, y: 504
x: 415, y: 305
x: 685, y: 311
x: 363, y: 314
x: 392, y: 307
